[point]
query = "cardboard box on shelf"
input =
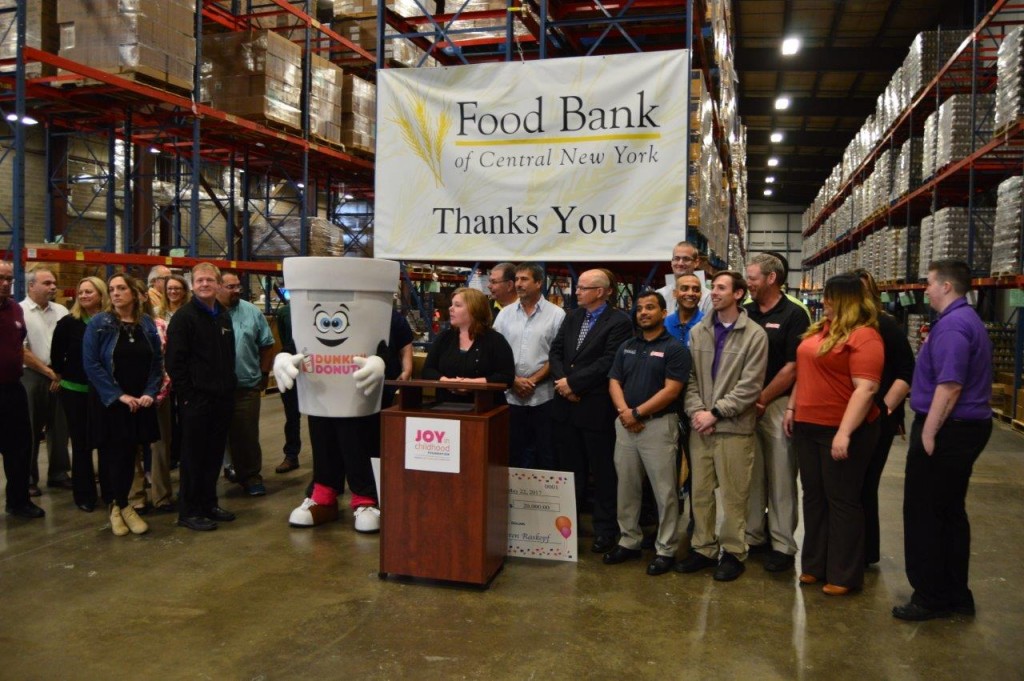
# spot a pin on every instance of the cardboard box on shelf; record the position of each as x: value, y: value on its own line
x: 41, y: 32
x: 255, y: 75
x: 149, y: 38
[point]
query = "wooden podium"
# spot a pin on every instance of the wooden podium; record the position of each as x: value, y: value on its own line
x: 446, y: 526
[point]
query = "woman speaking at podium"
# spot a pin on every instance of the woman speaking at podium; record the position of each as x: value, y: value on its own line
x: 469, y: 351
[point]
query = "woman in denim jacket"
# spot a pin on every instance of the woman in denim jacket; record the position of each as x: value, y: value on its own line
x: 124, y: 363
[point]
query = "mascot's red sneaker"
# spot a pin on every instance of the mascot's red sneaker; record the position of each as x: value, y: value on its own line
x: 310, y: 514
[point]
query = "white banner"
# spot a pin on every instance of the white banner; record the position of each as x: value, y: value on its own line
x: 559, y: 159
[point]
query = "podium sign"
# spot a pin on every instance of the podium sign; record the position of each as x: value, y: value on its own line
x: 432, y: 445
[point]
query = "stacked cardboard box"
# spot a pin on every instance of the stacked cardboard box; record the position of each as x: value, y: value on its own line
x: 359, y: 114
x: 255, y: 75
x: 927, y: 238
x: 1006, y: 248
x: 1009, y: 93
x: 283, y: 236
x: 955, y: 137
x: 928, y: 53
x: 150, y: 38
x: 325, y: 99
x: 907, y: 173
x: 40, y: 32
x: 952, y: 234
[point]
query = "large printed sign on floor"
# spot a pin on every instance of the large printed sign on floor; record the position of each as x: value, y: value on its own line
x: 558, y: 159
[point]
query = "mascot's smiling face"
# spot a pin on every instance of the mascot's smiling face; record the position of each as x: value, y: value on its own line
x: 331, y: 327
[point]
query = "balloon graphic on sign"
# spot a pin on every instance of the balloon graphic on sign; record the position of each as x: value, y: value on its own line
x: 563, y: 525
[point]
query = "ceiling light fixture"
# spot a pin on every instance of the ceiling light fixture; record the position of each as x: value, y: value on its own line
x: 776, y: 137
x: 768, y: 192
x: 770, y: 179
x: 154, y: 150
x: 782, y: 103
x: 772, y: 162
x: 790, y: 46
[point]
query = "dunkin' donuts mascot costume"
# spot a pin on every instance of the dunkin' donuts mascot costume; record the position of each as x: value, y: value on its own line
x: 341, y: 311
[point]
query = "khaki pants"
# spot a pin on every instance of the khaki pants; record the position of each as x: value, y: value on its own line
x: 724, y: 461
x: 773, y: 482
x: 652, y: 450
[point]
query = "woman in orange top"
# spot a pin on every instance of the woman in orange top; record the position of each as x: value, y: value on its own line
x: 834, y: 424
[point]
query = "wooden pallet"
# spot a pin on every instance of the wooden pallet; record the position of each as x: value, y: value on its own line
x: 272, y: 124
x: 1017, y: 426
x: 361, y: 152
x: 1000, y: 415
x: 1003, y: 130
x: 324, y: 142
x: 1001, y: 273
x: 143, y: 75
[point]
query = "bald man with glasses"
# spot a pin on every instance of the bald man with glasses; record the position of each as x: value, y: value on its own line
x: 583, y: 414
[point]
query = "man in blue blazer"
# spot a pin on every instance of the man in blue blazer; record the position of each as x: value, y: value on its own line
x: 583, y: 414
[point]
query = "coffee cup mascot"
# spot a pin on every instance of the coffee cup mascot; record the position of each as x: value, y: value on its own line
x: 341, y: 309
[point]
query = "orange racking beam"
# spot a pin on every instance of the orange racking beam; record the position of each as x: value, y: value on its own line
x: 103, y: 258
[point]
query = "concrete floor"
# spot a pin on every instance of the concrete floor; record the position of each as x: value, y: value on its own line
x: 258, y: 600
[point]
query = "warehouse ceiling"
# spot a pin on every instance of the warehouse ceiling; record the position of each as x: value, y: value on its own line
x: 849, y: 51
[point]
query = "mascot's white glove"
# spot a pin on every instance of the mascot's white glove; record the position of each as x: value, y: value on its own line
x: 286, y: 368
x: 370, y: 374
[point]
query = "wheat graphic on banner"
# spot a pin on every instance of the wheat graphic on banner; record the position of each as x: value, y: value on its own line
x: 421, y: 136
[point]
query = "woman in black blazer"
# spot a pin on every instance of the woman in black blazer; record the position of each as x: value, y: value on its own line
x: 470, y: 350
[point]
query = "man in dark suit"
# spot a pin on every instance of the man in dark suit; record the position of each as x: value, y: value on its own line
x: 583, y: 413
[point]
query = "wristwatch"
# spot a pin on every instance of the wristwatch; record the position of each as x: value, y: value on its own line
x: 636, y: 414
x: 714, y: 412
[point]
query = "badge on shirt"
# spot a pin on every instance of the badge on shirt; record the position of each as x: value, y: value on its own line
x: 773, y: 325
x: 657, y: 353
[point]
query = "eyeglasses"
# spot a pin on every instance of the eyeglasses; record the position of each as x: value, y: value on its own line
x: 683, y: 258
x: 233, y: 287
x: 588, y: 288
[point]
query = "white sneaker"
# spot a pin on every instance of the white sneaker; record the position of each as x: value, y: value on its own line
x: 367, y: 519
x: 309, y: 514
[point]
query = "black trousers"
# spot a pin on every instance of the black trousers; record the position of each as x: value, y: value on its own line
x: 292, y: 424
x: 585, y: 452
x: 83, y: 475
x: 15, y: 441
x: 204, y: 434
x: 833, y: 546
x: 342, y: 449
x: 530, y: 437
x: 117, y: 467
x: 869, y: 496
x: 936, y: 531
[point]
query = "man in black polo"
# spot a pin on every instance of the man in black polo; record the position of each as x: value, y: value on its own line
x: 647, y: 376
x: 773, y: 481
x: 15, y: 434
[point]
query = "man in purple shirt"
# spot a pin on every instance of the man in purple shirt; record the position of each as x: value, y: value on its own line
x: 952, y: 424
x: 15, y: 435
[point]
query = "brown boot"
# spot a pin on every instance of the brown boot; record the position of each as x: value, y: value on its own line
x: 117, y: 524
x: 134, y: 522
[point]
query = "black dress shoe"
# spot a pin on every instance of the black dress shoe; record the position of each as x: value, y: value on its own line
x: 913, y: 612
x: 26, y: 510
x: 777, y: 561
x: 197, y: 523
x: 754, y: 549
x: 87, y: 507
x: 62, y: 483
x: 729, y: 568
x: 604, y: 544
x: 34, y: 491
x: 165, y: 508
x: 695, y: 562
x: 219, y: 514
x: 620, y: 554
x: 660, y: 565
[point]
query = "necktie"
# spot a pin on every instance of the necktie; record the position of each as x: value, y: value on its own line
x: 584, y: 328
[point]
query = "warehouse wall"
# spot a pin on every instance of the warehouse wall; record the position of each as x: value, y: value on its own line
x: 776, y: 227
x: 35, y: 179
